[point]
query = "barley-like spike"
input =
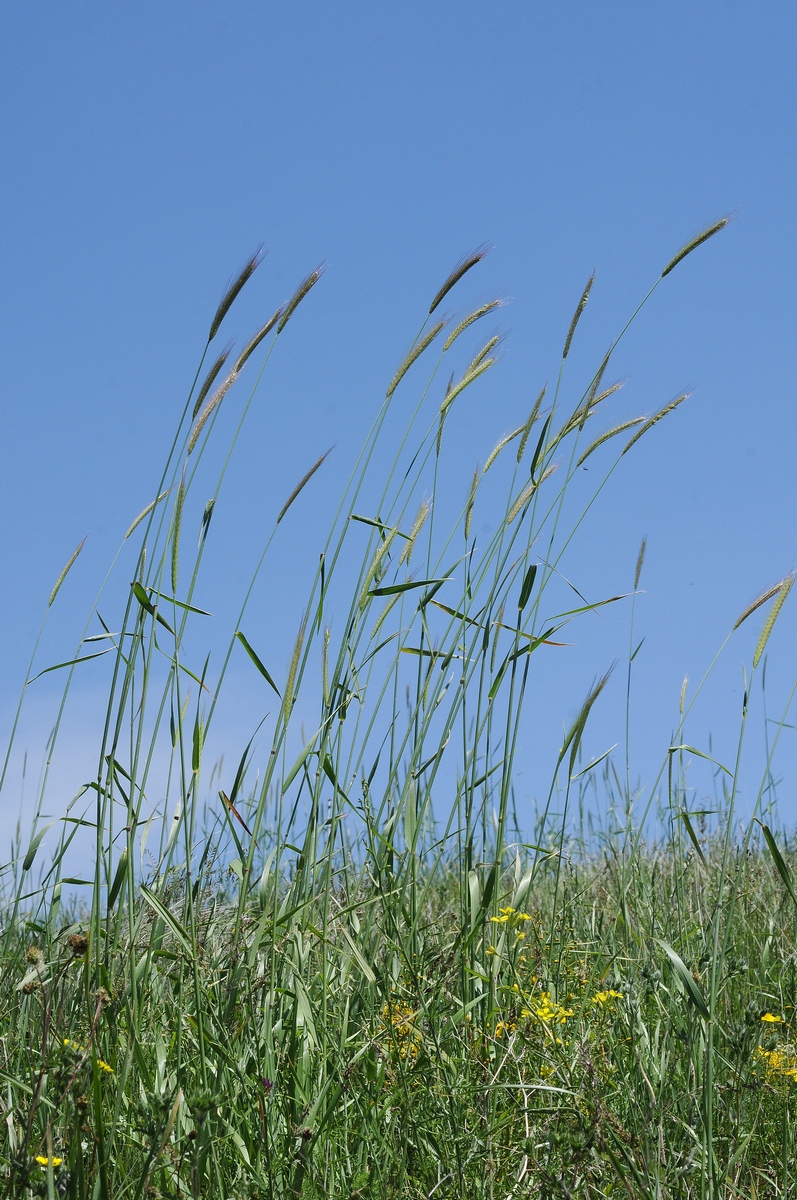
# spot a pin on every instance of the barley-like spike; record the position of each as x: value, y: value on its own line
x: 304, y: 287
x: 380, y: 620
x: 695, y: 242
x: 417, y: 526
x: 470, y: 503
x: 505, y: 440
x: 682, y: 700
x: 145, y: 513
x: 287, y: 699
x: 462, y: 268
x: 210, y: 378
x: 528, y: 492
x: 464, y: 382
x: 178, y: 518
x: 468, y: 321
x: 585, y: 411
x: 598, y: 377
x: 414, y: 354
x: 485, y: 350
x: 304, y: 480
x: 604, y: 437
x: 233, y: 288
x: 325, y: 667
x: 774, y: 613
x: 663, y: 412
x: 214, y: 401
x: 255, y: 341
x: 759, y: 600
x: 640, y: 561
x: 66, y: 571
x: 533, y: 415
x: 582, y: 304
x: 374, y: 567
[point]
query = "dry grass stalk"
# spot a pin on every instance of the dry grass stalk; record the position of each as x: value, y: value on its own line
x: 654, y: 420
x: 604, y: 437
x: 509, y: 437
x: 233, y: 288
x: 640, y: 562
x: 528, y: 492
x: 759, y: 600
x: 464, y: 382
x: 413, y: 356
x: 774, y: 613
x: 178, y: 519
x: 212, y: 403
x: 486, y: 349
x: 694, y: 243
x: 145, y: 513
x: 392, y: 600
x: 254, y: 342
x: 463, y: 266
x: 417, y: 526
x: 304, y: 480
x: 287, y: 701
x: 533, y: 415
x: 469, y: 320
x: 304, y: 287
x: 66, y: 571
x: 582, y: 304
x: 210, y: 378
x: 471, y: 502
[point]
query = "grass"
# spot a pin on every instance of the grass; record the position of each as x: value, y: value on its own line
x: 350, y: 973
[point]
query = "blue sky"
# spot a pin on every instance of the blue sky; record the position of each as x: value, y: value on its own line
x: 149, y: 148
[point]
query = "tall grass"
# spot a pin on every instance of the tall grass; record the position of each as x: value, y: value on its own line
x: 348, y: 973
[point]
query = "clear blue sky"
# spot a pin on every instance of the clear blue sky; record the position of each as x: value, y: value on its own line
x: 148, y: 148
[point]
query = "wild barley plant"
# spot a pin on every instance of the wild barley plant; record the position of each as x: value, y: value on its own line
x: 344, y: 974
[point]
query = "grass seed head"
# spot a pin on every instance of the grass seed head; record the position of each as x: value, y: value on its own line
x: 233, y: 289
x: 465, y: 264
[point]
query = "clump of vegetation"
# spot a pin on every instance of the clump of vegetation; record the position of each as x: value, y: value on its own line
x: 351, y: 976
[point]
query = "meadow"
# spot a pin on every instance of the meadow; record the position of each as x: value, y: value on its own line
x: 346, y: 969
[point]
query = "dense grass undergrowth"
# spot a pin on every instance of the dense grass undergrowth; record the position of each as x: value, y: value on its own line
x: 328, y: 981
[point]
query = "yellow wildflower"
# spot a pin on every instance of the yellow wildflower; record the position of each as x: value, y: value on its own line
x: 771, y: 1019
x: 45, y: 1162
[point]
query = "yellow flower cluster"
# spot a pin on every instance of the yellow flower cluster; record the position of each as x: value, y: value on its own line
x: 399, y: 1020
x: 781, y: 1062
x: 548, y: 1011
x: 605, y: 997
x: 504, y: 1027
x: 45, y: 1162
x: 511, y: 917
x: 82, y: 1050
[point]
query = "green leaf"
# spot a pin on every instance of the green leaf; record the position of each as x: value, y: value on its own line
x: 118, y: 879
x: 528, y: 584
x: 71, y: 663
x: 261, y: 668
x: 777, y: 858
x: 35, y: 842
x: 394, y: 588
x: 685, y: 817
x: 168, y: 918
x: 693, y: 992
x: 187, y: 607
x: 145, y: 602
x: 700, y: 754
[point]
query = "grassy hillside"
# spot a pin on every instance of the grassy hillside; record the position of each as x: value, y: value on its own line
x: 347, y: 972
